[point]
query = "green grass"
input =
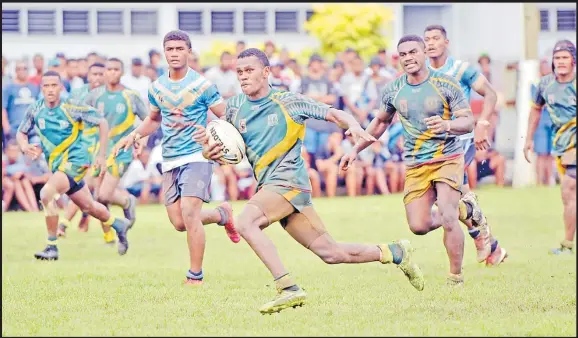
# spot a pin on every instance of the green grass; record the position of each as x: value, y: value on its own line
x: 93, y: 291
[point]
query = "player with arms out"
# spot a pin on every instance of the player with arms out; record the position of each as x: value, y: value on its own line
x: 435, y: 36
x: 59, y: 126
x: 179, y: 100
x: 434, y: 112
x: 557, y: 92
x: 78, y: 96
x: 272, y: 124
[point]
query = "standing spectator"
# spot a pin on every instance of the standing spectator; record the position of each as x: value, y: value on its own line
x: 394, y: 166
x: 224, y: 77
x: 91, y: 58
x: 484, y: 61
x: 393, y: 67
x: 151, y: 73
x: 155, y: 61
x: 276, y: 78
x: 17, y: 170
x: 55, y: 65
x: 5, y: 77
x: 38, y: 64
x: 316, y: 85
x: 73, y: 75
x: 241, y: 46
x: 544, y: 136
x: 377, y: 74
x: 348, y: 59
x: 83, y: 70
x: 335, y: 75
x: 16, y: 98
x: 360, y: 92
x: 193, y: 62
x: 136, y: 80
x: 270, y: 49
x: 38, y: 174
x: 297, y: 75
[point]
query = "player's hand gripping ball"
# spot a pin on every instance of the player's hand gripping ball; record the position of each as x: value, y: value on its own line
x: 221, y: 134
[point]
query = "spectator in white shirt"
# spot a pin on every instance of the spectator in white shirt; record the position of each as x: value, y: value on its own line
x: 136, y: 80
x: 143, y: 178
x: 224, y: 77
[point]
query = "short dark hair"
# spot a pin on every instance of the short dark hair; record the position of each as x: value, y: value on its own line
x: 117, y: 60
x: 52, y: 73
x: 438, y: 28
x: 96, y: 64
x: 92, y: 54
x: 71, y: 60
x: 177, y: 35
x: 241, y: 42
x: 225, y: 53
x: 412, y: 37
x: 259, y: 54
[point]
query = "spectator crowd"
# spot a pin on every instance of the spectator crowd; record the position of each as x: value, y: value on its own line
x: 347, y: 83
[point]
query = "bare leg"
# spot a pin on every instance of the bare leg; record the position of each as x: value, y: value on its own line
x: 369, y: 180
x: 8, y: 187
x: 30, y: 195
x: 569, y: 201
x: 21, y: 197
x: 448, y: 200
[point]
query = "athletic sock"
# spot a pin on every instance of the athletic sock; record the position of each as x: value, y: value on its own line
x: 195, y: 275
x: 224, y: 216
x: 465, y: 210
x: 52, y: 242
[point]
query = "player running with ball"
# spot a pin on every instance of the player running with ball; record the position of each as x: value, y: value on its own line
x: 434, y: 112
x: 179, y: 100
x: 272, y: 124
x: 59, y: 126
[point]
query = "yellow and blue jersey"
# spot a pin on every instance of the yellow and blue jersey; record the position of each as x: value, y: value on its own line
x: 59, y: 129
x: 440, y: 95
x: 182, y: 105
x: 78, y: 96
x: 273, y: 129
x: 559, y: 99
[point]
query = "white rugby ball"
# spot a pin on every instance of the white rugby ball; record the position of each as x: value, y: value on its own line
x: 225, y: 134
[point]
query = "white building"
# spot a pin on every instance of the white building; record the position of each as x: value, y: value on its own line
x: 126, y: 30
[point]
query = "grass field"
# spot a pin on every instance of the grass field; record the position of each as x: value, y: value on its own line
x: 93, y: 291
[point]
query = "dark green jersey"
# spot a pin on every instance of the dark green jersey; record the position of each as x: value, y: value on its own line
x: 273, y: 129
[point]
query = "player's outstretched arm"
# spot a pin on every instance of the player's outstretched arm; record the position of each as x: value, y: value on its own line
x: 26, y: 126
x: 481, y: 132
x: 347, y: 121
x: 533, y: 121
x: 376, y: 128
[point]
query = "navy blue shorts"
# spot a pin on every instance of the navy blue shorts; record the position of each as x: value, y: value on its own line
x: 74, y: 186
x: 469, y: 156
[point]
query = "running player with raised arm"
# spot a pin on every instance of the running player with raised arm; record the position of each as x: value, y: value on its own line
x: 434, y: 112
x: 179, y: 100
x: 59, y: 126
x: 469, y: 78
x: 272, y: 124
x: 557, y: 92
x: 78, y: 96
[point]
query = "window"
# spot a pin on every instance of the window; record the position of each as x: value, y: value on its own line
x: 222, y: 22
x: 544, y: 20
x: 286, y: 22
x: 41, y: 22
x: 109, y: 22
x: 143, y: 22
x: 10, y: 21
x: 75, y: 22
x: 309, y: 15
x: 566, y: 19
x: 191, y: 22
x: 255, y: 22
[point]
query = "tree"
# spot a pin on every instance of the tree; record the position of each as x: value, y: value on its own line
x: 362, y: 27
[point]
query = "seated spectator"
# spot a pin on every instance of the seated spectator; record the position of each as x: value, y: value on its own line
x: 229, y: 178
x: 7, y: 186
x: 327, y: 160
x: 314, y: 177
x: 276, y: 78
x: 38, y: 174
x: 246, y: 182
x: 379, y: 168
x: 17, y: 170
x: 360, y: 92
x: 487, y: 163
x: 354, y: 175
x: 394, y: 166
x: 143, y: 179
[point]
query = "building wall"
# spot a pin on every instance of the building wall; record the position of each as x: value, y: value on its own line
x: 473, y: 28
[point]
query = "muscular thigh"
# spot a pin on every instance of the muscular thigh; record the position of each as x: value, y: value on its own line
x: 272, y: 204
x: 447, y: 196
x: 108, y: 185
x: 82, y: 198
x: 305, y: 226
x: 418, y: 209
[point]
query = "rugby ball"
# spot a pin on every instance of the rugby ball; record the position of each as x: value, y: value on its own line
x: 225, y: 134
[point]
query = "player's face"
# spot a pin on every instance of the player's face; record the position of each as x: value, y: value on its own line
x: 176, y: 53
x: 51, y: 88
x: 95, y: 76
x: 563, y: 62
x: 412, y: 56
x: 113, y: 72
x: 435, y: 42
x: 252, y: 75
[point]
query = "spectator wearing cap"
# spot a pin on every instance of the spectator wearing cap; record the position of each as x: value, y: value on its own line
x: 224, y: 77
x: 276, y: 79
x: 484, y: 61
x: 16, y: 98
x: 270, y: 49
x: 378, y: 73
x: 72, y: 73
x: 381, y: 60
x: 155, y: 61
x: 348, y: 58
x: 136, y: 80
x: 316, y: 85
x: 335, y: 74
x: 56, y: 66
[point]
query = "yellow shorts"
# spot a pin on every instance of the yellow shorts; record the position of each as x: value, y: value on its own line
x: 419, y: 180
x: 568, y: 159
